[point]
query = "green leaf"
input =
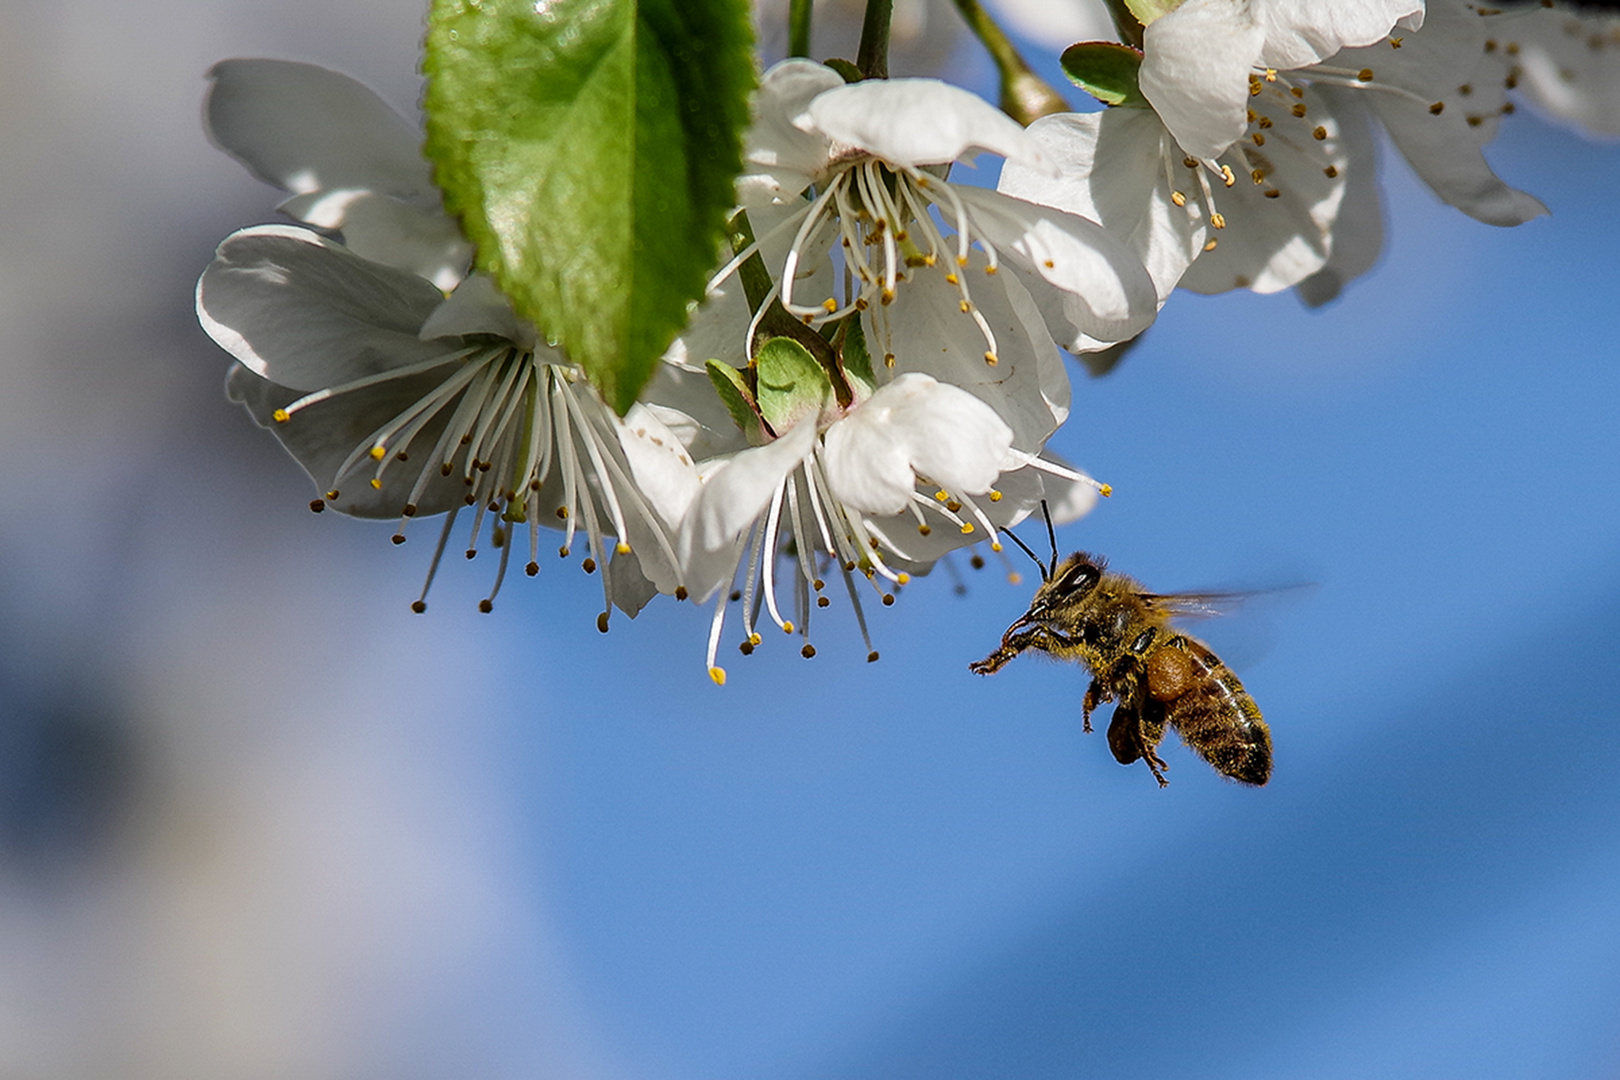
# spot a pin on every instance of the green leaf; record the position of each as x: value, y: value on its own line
x: 791, y: 384
x: 733, y: 390
x: 590, y: 149
x: 1148, y: 10
x: 1107, y: 71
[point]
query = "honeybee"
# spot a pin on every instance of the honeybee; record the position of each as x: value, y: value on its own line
x: 1160, y: 676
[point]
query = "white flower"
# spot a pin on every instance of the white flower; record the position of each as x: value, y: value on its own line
x: 1199, y: 59
x: 350, y: 161
x: 400, y: 403
x: 872, y: 151
x: 1440, y: 93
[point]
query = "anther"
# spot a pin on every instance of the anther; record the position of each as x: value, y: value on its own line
x: 1178, y: 198
x: 754, y: 639
x: 486, y: 605
x: 1259, y: 138
x: 562, y: 513
x: 1106, y: 490
x: 808, y: 651
x: 602, y: 622
x: 589, y: 565
x: 376, y: 483
x: 1319, y: 133
x: 871, y: 657
x: 888, y: 599
x: 1272, y: 193
x: 1210, y: 245
x: 623, y: 548
x: 378, y: 453
x: 317, y: 505
x: 1299, y: 109
x: 902, y: 578
x: 965, y: 306
x: 977, y: 561
x: 787, y: 626
x: 1218, y: 220
x: 419, y: 606
x: 822, y: 601
x: 995, y: 496
x: 1331, y: 171
x: 1437, y: 108
x: 533, y: 569
x: 1365, y: 75
x: 953, y: 506
x: 1227, y: 177
x: 408, y: 510
x: 967, y: 528
x: 281, y: 416
x: 331, y: 496
x: 562, y: 552
x: 398, y: 538
x: 818, y: 584
x: 923, y: 529
x: 718, y: 674
x: 952, y: 279
x: 746, y: 648
x: 991, y: 359
x: 472, y: 553
x: 680, y: 592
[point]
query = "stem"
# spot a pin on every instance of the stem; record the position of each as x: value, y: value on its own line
x: 756, y: 283
x: 1126, y: 22
x: 1025, y: 96
x: 873, y: 57
x: 799, y: 12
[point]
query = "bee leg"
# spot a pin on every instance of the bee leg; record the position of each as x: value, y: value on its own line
x: 1157, y: 764
x: 1013, y: 643
x: 1096, y: 694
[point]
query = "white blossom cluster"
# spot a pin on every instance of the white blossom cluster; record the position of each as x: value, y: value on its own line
x: 874, y: 376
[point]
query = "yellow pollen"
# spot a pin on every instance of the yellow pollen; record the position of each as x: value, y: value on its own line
x: 830, y: 305
x: 1297, y: 91
x: 1299, y: 109
x: 1254, y: 87
x: 754, y: 639
x: 953, y: 506
x: 378, y: 453
x: 903, y: 579
x: 623, y: 548
x: 281, y: 416
x: 718, y: 674
x: 861, y: 304
x: 961, y: 260
x: 1319, y: 133
x: 1271, y: 74
x: 1015, y: 578
x: 1437, y: 108
x: 967, y: 527
x: 930, y: 259
x: 1365, y: 75
x: 787, y: 627
x: 942, y: 496
x: 376, y: 483
x: 333, y: 494
x: 1178, y: 198
x: 965, y: 306
x: 1210, y: 246
x: 995, y: 496
x: 991, y: 359
x: 888, y: 359
x: 1258, y: 176
x: 1264, y: 122
x: 887, y: 297
x: 1106, y: 490
x: 1189, y: 163
x: 951, y: 278
x: 1259, y: 139
x: 1218, y: 220
x: 1396, y: 42
x: 1226, y: 176
x: 923, y: 529
x: 991, y: 270
x: 1331, y: 171
x: 995, y: 545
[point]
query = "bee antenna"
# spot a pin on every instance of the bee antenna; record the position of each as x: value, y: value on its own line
x: 1009, y: 534
x: 1051, y: 536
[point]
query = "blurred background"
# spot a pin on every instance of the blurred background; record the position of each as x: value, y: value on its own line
x: 258, y: 820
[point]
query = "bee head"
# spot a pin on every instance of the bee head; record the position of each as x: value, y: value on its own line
x: 1068, y: 586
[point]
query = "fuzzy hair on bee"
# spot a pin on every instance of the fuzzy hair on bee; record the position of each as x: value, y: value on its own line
x: 1161, y: 677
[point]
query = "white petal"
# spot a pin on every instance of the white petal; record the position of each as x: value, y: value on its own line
x: 1304, y: 32
x: 914, y: 426
x: 912, y: 122
x: 783, y: 159
x: 305, y: 128
x: 306, y: 313
x: 479, y: 307
x: 1112, y: 171
x: 1101, y: 288
x: 663, y: 470
x: 738, y: 491
x: 1569, y: 67
x: 1358, y: 233
x: 926, y: 331
x: 407, y: 235
x: 1195, y: 71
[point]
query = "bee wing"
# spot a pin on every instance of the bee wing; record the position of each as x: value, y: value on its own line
x: 1200, y: 605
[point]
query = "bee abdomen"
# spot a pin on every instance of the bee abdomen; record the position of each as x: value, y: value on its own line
x: 1208, y: 706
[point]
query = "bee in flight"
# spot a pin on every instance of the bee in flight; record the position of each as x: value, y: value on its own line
x: 1160, y: 676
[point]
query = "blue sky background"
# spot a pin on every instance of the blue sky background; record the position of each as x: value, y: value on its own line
x: 258, y: 818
